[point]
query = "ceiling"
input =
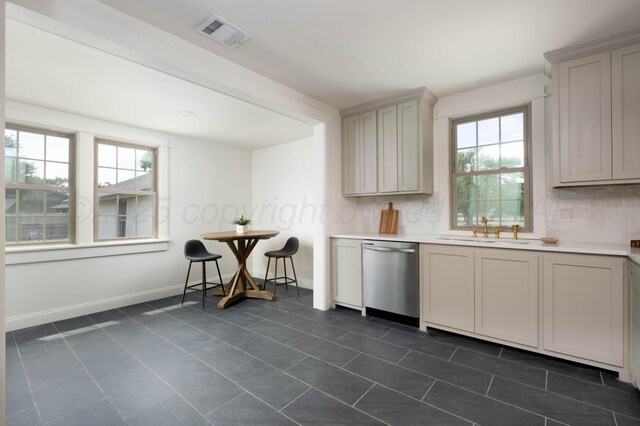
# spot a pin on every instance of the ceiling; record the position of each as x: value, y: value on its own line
x: 65, y: 75
x: 345, y: 52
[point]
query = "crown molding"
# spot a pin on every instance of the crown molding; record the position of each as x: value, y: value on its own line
x: 420, y: 93
x: 596, y: 46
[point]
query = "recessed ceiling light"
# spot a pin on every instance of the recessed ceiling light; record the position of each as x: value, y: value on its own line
x: 187, y: 113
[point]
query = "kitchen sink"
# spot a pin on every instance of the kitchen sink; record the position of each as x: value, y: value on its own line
x: 485, y: 240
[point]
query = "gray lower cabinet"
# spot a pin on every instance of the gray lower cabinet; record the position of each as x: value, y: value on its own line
x: 446, y: 273
x: 584, y: 307
x: 487, y: 292
x: 635, y: 322
x: 570, y: 306
x: 346, y: 266
x: 506, y: 295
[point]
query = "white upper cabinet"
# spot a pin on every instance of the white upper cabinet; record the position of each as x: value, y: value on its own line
x: 387, y: 146
x: 596, y: 110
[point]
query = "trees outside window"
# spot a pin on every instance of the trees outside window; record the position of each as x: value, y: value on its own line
x: 490, y: 170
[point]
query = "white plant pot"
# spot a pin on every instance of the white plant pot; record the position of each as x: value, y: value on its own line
x: 241, y: 229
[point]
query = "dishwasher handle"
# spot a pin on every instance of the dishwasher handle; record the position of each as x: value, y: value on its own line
x: 386, y: 249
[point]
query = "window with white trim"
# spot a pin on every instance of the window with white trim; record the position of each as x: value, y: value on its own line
x: 490, y: 170
x: 125, y: 191
x: 39, y: 186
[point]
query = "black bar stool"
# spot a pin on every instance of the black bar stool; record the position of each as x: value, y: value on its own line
x: 195, y: 251
x: 290, y: 248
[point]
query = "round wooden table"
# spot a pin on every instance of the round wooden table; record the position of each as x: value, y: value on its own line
x: 237, y: 288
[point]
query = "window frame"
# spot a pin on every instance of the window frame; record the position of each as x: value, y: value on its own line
x: 70, y: 188
x: 525, y: 169
x: 97, y: 191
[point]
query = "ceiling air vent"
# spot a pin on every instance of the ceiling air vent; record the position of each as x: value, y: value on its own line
x: 223, y: 32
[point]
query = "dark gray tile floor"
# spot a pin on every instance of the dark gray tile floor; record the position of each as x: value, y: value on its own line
x: 281, y: 363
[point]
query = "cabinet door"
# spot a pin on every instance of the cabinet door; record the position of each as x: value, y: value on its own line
x: 634, y: 365
x: 346, y: 263
x: 584, y: 307
x: 350, y: 156
x: 368, y: 154
x: 585, y: 118
x: 625, y: 113
x: 409, y: 152
x: 388, y: 149
x: 506, y: 295
x: 447, y: 283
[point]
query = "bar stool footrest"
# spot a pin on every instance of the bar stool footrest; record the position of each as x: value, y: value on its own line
x: 287, y: 280
x: 210, y: 286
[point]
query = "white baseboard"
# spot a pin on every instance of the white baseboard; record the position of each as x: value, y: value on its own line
x: 58, y: 314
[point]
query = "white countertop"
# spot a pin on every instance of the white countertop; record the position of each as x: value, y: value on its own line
x: 504, y: 243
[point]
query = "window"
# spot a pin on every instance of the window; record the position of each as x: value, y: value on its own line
x: 38, y: 185
x: 490, y: 170
x: 125, y: 191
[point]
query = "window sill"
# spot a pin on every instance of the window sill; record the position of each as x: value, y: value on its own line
x: 53, y: 253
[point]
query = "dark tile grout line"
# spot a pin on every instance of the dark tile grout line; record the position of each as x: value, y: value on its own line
x: 453, y: 353
x: 546, y: 380
x: 400, y: 360
x: 217, y: 408
x: 489, y: 387
x: 295, y: 399
x: 373, y: 383
x: 358, y: 353
x: 425, y: 394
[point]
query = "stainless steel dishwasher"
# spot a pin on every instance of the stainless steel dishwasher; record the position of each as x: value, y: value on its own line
x: 391, y: 277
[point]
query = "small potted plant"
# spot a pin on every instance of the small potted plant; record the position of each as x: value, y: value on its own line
x: 242, y: 224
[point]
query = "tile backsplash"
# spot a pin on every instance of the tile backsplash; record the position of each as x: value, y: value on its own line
x: 608, y: 214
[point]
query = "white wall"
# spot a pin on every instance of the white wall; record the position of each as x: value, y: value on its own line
x: 208, y: 186
x: 283, y: 199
